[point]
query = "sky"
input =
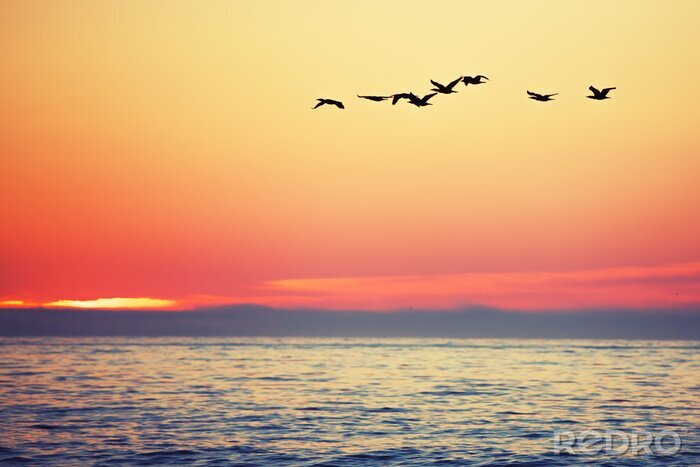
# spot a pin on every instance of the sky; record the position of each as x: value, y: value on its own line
x: 164, y: 154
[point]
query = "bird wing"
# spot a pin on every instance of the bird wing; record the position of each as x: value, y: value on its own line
x: 413, y: 99
x: 338, y: 104
x: 436, y: 84
x: 320, y: 103
x: 594, y: 91
x: 605, y: 91
x: 363, y: 97
x: 481, y: 76
x: 427, y: 97
x: 550, y: 95
x: 396, y: 98
x: 454, y: 83
x: 534, y: 94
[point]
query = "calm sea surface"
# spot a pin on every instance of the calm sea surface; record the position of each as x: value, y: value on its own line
x: 345, y: 402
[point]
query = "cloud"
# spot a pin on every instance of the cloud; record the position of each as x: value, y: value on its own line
x: 629, y: 287
x: 675, y: 286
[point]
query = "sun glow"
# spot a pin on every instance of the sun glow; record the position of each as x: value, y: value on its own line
x: 114, y: 303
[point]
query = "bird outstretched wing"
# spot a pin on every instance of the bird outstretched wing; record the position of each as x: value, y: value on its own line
x: 605, y: 91
x: 373, y: 98
x: 319, y: 104
x: 594, y: 90
x: 436, y: 84
x: 396, y: 98
x: 427, y: 97
x: 534, y: 94
x: 454, y: 83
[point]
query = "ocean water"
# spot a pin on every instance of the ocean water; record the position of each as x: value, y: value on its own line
x: 344, y: 402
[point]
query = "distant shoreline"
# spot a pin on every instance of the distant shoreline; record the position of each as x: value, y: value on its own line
x: 256, y: 321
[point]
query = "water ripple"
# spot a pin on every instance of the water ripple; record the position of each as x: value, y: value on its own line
x: 336, y: 402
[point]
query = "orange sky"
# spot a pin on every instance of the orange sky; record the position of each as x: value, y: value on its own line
x: 168, y: 150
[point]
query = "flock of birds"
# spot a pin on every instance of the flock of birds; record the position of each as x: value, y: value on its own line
x: 449, y: 88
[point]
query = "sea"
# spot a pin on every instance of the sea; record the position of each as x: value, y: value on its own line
x: 348, y: 402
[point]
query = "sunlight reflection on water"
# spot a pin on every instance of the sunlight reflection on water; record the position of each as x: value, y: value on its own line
x: 336, y: 401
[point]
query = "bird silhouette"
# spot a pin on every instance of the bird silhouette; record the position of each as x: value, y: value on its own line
x: 467, y: 80
x: 402, y: 95
x: 449, y: 89
x: 329, y: 102
x: 374, y: 98
x: 599, y: 95
x: 541, y: 97
x: 421, y: 101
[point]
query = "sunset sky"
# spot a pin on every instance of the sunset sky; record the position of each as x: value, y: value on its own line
x: 164, y: 154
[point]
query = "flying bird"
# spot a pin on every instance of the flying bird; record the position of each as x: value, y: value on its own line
x: 374, y: 98
x: 474, y: 79
x: 421, y: 101
x: 329, y: 102
x: 599, y: 95
x: 541, y: 97
x: 402, y: 95
x: 449, y: 89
